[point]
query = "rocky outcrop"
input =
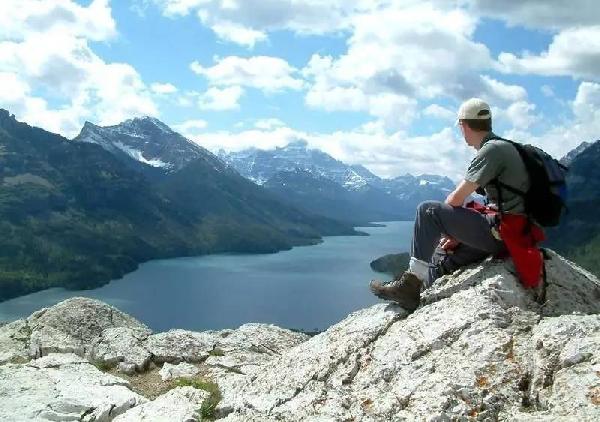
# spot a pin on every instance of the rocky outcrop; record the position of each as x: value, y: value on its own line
x: 179, y: 404
x: 470, y: 352
x: 62, y: 387
x: 480, y: 347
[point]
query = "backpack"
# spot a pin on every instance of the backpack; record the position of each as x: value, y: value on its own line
x: 547, y: 194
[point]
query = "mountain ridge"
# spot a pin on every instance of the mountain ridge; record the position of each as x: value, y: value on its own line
x: 370, y: 197
x: 79, y: 215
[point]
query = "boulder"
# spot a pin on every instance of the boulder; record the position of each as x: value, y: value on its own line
x: 62, y: 387
x: 76, y: 324
x: 181, y: 404
x: 86, y: 327
x: 183, y: 370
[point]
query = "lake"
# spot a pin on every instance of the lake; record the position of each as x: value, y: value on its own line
x: 308, y: 287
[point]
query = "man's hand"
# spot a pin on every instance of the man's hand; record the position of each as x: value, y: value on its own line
x: 447, y: 243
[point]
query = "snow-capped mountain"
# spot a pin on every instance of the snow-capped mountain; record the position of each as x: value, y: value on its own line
x: 308, y: 178
x: 571, y: 155
x: 146, y: 140
x: 260, y: 165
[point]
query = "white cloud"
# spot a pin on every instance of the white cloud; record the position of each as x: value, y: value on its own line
x: 396, y: 55
x: 263, y: 139
x: 163, y: 88
x: 46, y: 45
x: 270, y: 74
x: 547, y: 91
x: 385, y: 155
x: 546, y: 14
x: 586, y: 105
x: 238, y: 34
x: 247, y: 22
x: 191, y: 128
x: 439, y: 112
x: 497, y: 91
x: 573, y: 52
x: 12, y: 89
x: 268, y: 123
x: 520, y: 115
x: 220, y: 99
x: 563, y: 136
x: 21, y: 18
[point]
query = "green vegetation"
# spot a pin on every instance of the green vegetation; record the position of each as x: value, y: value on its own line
x: 102, y: 365
x: 216, y: 352
x: 209, y: 405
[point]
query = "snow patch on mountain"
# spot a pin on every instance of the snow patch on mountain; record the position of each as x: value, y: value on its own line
x: 139, y: 156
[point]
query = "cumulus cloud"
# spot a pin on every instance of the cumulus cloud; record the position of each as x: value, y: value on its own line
x: 573, y: 52
x: 546, y: 14
x: 397, y: 54
x: 46, y: 43
x: 268, y: 123
x: 160, y: 88
x: 247, y: 22
x: 566, y: 134
x: 521, y: 115
x: 238, y: 34
x: 220, y: 99
x: 191, y: 128
x: 21, y: 18
x: 439, y: 112
x: 270, y: 74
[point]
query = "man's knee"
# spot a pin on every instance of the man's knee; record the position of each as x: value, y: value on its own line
x: 429, y: 207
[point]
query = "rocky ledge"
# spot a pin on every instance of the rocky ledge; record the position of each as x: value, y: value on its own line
x: 480, y: 347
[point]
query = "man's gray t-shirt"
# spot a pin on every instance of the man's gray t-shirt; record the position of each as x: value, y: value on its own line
x: 501, y: 160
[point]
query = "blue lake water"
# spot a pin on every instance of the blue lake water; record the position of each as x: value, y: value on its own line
x: 309, y: 287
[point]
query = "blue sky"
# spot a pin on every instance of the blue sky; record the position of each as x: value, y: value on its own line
x: 372, y: 82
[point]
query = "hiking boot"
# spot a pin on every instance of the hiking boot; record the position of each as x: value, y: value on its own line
x: 406, y: 290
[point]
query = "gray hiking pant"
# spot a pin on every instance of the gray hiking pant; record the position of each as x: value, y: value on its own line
x: 472, y: 229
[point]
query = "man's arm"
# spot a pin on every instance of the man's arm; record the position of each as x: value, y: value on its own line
x: 457, y: 197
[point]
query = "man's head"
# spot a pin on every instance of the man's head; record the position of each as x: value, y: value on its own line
x: 475, y: 121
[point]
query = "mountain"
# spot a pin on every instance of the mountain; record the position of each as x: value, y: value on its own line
x: 315, y: 181
x: 145, y: 144
x: 73, y: 214
x: 570, y: 156
x: 578, y: 235
x: 479, y: 348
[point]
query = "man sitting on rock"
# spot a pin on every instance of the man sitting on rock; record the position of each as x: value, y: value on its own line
x: 448, y: 235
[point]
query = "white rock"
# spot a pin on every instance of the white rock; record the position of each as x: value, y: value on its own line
x: 182, y: 370
x: 14, y: 341
x: 74, y: 325
x: 467, y: 353
x: 121, y: 344
x: 248, y: 348
x: 176, y: 346
x: 178, y: 405
x: 62, y: 387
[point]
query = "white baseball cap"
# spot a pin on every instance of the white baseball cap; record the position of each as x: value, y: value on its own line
x: 474, y: 109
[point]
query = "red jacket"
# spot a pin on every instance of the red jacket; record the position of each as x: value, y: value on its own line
x: 521, y: 238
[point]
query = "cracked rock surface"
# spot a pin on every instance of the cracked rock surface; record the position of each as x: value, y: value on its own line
x: 179, y: 404
x: 480, y: 347
x: 61, y: 387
